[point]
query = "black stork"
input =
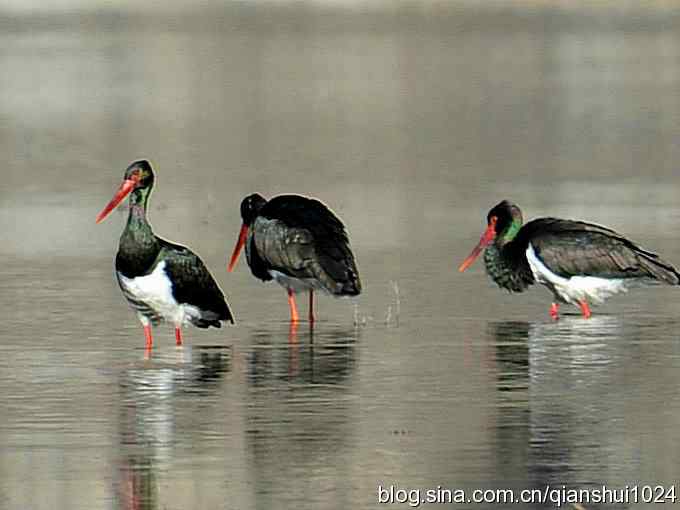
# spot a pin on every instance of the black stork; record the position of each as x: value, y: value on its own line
x: 581, y: 263
x: 298, y: 242
x: 161, y: 280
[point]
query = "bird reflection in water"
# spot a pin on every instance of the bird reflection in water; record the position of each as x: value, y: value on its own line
x: 555, y: 406
x: 307, y: 355
x: 294, y: 347
x: 512, y: 356
x: 148, y: 394
x: 510, y: 340
x: 300, y: 422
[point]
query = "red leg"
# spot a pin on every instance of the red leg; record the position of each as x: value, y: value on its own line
x: 555, y: 311
x: 147, y: 336
x: 292, y: 333
x: 293, y: 351
x: 585, y: 309
x: 311, y: 307
x: 178, y: 336
x: 293, y: 308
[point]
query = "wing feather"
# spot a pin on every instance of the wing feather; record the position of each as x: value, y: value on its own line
x: 193, y: 284
x: 571, y: 248
x: 306, y: 240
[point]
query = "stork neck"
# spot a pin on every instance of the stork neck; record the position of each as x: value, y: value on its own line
x: 138, y: 202
x: 504, y: 268
x: 138, y: 233
x: 494, y: 259
x: 510, y: 232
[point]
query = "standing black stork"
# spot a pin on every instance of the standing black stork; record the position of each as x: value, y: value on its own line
x: 298, y: 242
x: 161, y: 280
x: 581, y: 263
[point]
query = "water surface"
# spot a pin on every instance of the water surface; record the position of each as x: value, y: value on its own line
x: 411, y: 122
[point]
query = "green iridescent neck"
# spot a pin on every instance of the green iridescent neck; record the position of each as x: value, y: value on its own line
x: 138, y: 233
x: 138, y: 246
x: 511, y: 231
x: 138, y: 202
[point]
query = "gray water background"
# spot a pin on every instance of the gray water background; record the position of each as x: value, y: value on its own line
x: 410, y: 120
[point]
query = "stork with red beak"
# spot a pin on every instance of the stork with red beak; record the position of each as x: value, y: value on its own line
x: 161, y: 280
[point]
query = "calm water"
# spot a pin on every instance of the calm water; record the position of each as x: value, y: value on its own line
x: 411, y: 122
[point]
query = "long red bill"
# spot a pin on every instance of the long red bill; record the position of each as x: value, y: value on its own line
x: 487, y: 237
x: 125, y: 188
x: 242, y: 236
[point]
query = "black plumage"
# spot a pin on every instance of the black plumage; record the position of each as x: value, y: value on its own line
x: 315, y: 244
x: 300, y: 243
x: 576, y: 248
x: 258, y: 267
x: 567, y: 249
x: 178, y: 271
x: 509, y: 272
x: 192, y: 283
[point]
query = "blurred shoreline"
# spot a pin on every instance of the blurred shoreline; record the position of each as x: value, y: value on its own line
x: 345, y: 17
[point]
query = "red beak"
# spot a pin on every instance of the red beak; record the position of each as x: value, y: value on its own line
x: 487, y: 238
x: 242, y: 236
x: 125, y: 188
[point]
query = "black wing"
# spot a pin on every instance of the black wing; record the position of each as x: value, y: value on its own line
x: 193, y: 284
x: 329, y: 237
x: 258, y: 266
x: 575, y: 248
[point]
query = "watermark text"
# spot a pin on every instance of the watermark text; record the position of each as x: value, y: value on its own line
x: 557, y: 495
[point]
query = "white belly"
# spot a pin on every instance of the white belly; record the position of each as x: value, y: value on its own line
x: 151, y: 296
x: 296, y: 284
x: 577, y: 288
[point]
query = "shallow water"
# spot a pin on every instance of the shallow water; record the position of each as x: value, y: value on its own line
x: 411, y: 122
